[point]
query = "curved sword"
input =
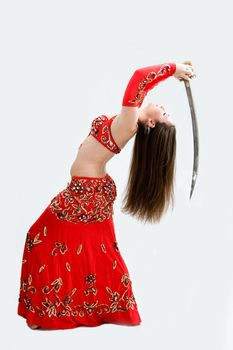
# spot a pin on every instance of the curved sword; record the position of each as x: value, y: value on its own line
x: 195, y: 132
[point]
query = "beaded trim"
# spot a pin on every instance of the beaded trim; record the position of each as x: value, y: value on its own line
x: 85, y: 200
x: 101, y: 130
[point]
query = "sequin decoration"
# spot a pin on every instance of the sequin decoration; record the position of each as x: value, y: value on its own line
x: 55, y: 304
x: 30, y: 243
x: 101, y: 130
x: 85, y: 200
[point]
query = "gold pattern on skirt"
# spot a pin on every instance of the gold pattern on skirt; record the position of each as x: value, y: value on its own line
x: 56, y: 286
x: 41, y: 268
x: 90, y: 280
x: 68, y: 266
x: 79, y: 249
x: 62, y: 247
x: 85, y: 200
x: 55, y: 306
x: 26, y: 286
x: 30, y: 243
x: 103, y: 248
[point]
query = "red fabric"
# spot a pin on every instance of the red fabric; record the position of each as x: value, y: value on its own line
x: 95, y: 202
x: 101, y: 130
x: 143, y: 80
x: 73, y: 273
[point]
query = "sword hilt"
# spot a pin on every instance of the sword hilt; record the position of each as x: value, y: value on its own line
x: 188, y: 62
x: 184, y: 80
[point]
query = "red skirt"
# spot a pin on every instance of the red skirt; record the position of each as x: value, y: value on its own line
x: 73, y: 273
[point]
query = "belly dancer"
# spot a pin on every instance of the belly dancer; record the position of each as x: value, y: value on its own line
x: 73, y: 273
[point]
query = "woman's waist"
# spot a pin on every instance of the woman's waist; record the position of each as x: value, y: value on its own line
x: 82, y: 187
x: 88, y: 169
x: 85, y: 198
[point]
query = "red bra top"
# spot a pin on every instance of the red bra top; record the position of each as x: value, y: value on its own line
x: 101, y: 131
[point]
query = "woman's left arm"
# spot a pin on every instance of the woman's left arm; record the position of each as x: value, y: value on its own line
x: 143, y: 80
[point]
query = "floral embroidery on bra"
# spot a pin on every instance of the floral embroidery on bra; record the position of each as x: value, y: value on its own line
x: 85, y: 200
x: 101, y: 130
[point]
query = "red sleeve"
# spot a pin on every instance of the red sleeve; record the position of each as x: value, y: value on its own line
x: 143, y: 80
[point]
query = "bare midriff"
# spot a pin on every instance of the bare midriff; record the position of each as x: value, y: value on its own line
x: 91, y: 159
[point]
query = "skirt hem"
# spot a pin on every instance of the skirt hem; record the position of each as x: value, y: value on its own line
x: 77, y: 325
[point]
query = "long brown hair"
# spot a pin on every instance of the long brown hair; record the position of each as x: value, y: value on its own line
x: 150, y: 186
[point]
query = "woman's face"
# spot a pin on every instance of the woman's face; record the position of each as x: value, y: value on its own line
x: 154, y: 113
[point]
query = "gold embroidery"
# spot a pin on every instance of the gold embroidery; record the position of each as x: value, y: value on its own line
x: 85, y: 200
x: 115, y: 246
x: 90, y: 290
x: 90, y: 308
x: 103, y: 132
x: 79, y: 249
x: 141, y: 93
x: 30, y: 243
x: 45, y: 231
x: 24, y: 261
x: 103, y: 248
x: 41, y: 268
x: 56, y: 286
x: 62, y: 246
x: 98, y: 121
x: 26, y: 286
x: 115, y: 297
x: 106, y: 139
x: 55, y: 307
x: 68, y: 266
x: 90, y: 279
x: 114, y: 264
x: 29, y: 305
x: 125, y: 280
x: 50, y: 307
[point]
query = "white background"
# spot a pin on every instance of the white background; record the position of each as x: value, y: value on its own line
x: 64, y: 62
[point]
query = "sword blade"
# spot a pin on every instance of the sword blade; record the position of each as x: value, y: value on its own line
x: 195, y: 136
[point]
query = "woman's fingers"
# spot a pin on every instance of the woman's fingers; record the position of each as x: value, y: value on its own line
x: 184, y: 72
x: 191, y: 72
x: 187, y: 75
x: 184, y: 76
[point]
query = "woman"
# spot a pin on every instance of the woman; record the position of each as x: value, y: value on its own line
x: 73, y: 273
